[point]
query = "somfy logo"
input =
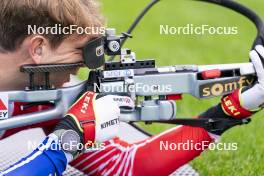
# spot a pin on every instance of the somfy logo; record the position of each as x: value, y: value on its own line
x: 224, y: 87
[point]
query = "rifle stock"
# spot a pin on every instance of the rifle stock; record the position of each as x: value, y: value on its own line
x: 155, y: 104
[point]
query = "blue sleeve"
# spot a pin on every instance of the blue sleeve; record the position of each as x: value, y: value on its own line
x: 47, y: 159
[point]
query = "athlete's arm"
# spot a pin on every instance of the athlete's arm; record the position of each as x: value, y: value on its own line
x: 93, y: 118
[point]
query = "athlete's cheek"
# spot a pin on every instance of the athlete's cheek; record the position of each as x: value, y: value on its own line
x: 67, y: 58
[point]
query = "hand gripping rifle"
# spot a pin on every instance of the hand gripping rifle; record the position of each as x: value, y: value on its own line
x: 154, y: 89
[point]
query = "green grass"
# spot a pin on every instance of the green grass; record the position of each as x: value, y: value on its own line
x: 193, y: 49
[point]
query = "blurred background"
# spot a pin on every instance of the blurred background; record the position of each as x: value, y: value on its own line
x: 197, y: 49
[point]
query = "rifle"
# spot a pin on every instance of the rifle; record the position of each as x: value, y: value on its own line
x: 154, y: 89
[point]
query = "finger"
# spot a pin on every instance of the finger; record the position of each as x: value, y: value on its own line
x: 260, y: 50
x: 258, y: 66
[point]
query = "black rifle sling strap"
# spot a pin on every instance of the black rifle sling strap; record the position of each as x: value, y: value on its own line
x: 213, y: 125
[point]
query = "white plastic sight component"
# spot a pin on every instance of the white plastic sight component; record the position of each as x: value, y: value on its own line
x: 127, y: 56
x: 110, y: 32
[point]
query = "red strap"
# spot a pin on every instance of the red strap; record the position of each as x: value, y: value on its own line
x: 232, y: 106
x: 89, y: 132
x: 83, y: 110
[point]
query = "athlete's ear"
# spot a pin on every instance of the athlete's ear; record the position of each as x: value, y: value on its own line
x: 37, y: 46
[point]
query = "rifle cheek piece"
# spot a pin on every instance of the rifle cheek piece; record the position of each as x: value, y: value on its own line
x: 93, y: 53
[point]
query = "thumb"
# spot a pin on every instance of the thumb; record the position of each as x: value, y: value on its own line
x: 255, y: 58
